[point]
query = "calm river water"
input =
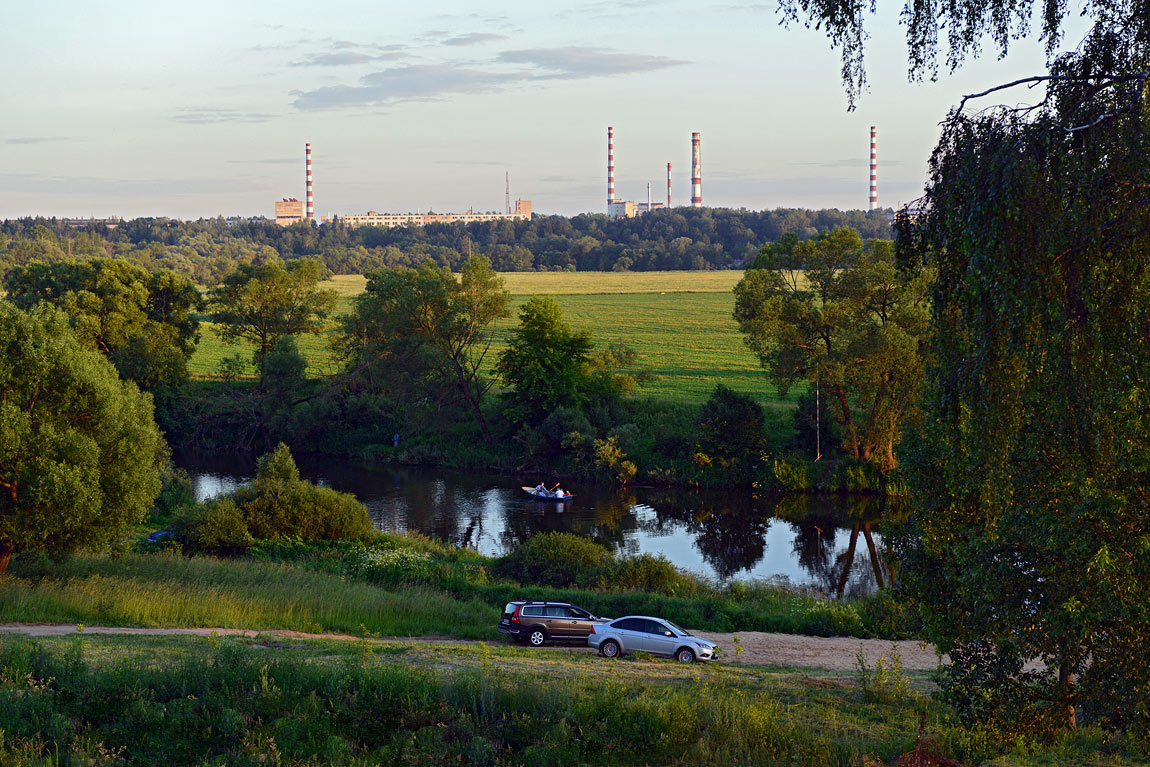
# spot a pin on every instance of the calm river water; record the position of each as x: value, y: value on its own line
x: 810, y: 541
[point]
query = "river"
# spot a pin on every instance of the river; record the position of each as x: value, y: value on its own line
x: 829, y: 543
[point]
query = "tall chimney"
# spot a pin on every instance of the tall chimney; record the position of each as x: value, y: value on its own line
x: 696, y: 173
x: 873, y: 170
x: 310, y: 197
x: 610, y: 166
x: 668, y: 185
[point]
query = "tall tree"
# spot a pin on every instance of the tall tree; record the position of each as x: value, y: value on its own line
x: 142, y: 321
x: 80, y: 454
x: 427, y: 318
x: 262, y: 303
x: 831, y: 311
x: 545, y: 362
x: 1030, y: 537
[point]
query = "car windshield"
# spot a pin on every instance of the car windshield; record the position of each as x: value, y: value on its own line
x: 679, y: 631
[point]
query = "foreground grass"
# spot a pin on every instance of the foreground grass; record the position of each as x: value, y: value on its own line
x: 184, y: 700
x: 679, y: 322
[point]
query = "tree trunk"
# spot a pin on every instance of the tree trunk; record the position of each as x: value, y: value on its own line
x: 473, y: 401
x: 5, y: 555
x: 1066, y: 682
x: 848, y: 422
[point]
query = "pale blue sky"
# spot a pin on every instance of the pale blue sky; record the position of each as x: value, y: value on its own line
x: 134, y: 107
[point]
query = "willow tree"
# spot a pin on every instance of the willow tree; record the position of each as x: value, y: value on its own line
x: 1031, y: 537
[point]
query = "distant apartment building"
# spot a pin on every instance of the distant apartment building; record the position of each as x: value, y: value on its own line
x: 111, y: 223
x: 522, y: 212
x: 289, y: 211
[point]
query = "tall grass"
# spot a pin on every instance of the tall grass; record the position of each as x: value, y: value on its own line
x: 161, y: 590
x: 225, y: 703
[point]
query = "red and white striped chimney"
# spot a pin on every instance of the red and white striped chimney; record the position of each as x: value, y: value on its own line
x: 610, y: 165
x: 873, y: 170
x: 696, y: 173
x: 668, y: 185
x: 310, y: 197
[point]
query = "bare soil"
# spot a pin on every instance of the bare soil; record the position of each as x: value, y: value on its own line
x: 758, y: 648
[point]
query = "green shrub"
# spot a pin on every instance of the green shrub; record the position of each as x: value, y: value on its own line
x: 648, y: 572
x: 278, y: 505
x: 219, y: 526
x: 792, y: 475
x: 852, y: 476
x: 556, y: 559
x: 561, y: 422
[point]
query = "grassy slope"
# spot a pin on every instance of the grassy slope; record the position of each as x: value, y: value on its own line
x: 680, y: 322
x: 413, y: 587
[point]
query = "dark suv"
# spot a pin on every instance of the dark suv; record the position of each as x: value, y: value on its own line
x: 536, y: 623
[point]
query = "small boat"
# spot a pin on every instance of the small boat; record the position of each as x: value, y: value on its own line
x: 546, y: 497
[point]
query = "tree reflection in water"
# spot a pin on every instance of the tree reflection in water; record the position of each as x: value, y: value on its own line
x: 829, y: 543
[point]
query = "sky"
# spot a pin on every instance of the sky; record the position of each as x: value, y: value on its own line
x: 142, y: 108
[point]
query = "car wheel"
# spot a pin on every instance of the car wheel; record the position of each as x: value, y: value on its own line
x: 536, y: 637
x: 610, y: 649
x: 685, y: 655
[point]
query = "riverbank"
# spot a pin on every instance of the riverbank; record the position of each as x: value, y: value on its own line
x: 411, y: 586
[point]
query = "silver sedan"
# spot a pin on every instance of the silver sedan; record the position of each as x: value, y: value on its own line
x: 641, y: 633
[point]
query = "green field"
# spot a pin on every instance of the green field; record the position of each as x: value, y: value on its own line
x: 679, y: 322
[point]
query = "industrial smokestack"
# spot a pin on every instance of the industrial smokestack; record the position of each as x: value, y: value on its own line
x: 696, y: 173
x: 610, y: 166
x: 668, y: 185
x: 873, y: 170
x: 648, y: 197
x: 310, y: 197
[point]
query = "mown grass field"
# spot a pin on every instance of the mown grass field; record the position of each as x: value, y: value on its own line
x: 679, y: 322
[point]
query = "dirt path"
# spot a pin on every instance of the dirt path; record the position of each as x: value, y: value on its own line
x: 759, y: 649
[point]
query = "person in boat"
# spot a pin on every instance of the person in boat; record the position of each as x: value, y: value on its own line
x: 541, y: 489
x: 557, y: 493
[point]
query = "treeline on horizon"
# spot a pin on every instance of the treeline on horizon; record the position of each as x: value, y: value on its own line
x: 207, y: 250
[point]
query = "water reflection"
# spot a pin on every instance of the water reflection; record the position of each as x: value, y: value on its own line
x: 831, y: 544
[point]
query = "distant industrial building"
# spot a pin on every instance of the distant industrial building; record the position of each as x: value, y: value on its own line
x: 617, y: 208
x: 522, y: 212
x: 630, y: 209
x: 289, y: 211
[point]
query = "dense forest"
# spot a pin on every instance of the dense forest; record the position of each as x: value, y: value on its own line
x: 208, y: 249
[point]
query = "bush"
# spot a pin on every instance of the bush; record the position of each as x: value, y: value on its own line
x: 219, y: 526
x: 792, y: 475
x: 556, y: 559
x: 281, y: 505
x: 853, y: 476
x: 277, y: 506
x: 561, y: 422
x: 648, y: 572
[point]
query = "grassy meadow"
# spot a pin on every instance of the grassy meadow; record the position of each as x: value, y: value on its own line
x: 679, y: 322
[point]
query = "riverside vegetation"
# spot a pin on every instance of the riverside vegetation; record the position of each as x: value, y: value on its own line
x: 304, y: 558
